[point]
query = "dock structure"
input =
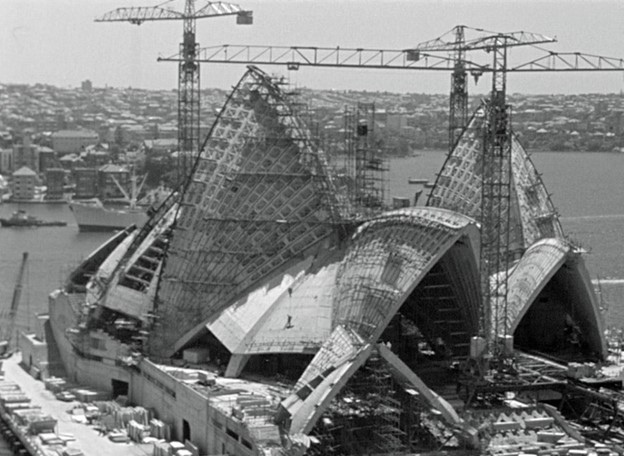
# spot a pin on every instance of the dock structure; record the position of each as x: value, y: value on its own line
x: 262, y: 309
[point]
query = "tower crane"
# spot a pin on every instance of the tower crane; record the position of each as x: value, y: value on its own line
x: 496, y: 253
x: 188, y: 65
x: 455, y: 43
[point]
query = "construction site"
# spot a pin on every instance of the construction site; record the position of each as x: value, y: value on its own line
x: 278, y: 303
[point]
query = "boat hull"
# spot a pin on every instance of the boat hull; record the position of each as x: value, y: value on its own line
x: 98, y: 218
x: 8, y: 223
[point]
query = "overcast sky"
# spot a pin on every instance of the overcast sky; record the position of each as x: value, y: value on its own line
x: 56, y: 41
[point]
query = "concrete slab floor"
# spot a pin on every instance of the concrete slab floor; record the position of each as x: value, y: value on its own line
x: 87, y: 438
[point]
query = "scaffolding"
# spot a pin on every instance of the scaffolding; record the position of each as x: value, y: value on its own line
x: 365, y: 418
x: 366, y: 164
x: 375, y: 413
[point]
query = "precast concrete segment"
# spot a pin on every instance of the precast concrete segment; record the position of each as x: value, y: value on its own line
x: 538, y: 213
x: 131, y: 288
x: 310, y: 399
x: 79, y: 278
x: 260, y: 198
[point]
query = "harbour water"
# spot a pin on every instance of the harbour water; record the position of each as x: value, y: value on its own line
x: 587, y: 189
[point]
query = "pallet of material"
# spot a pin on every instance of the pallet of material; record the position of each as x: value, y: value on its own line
x: 137, y: 432
x: 72, y: 451
x: 118, y: 437
x: 176, y: 446
x: 66, y: 437
x: 265, y: 433
x: 12, y: 406
x: 119, y: 416
x: 88, y: 395
x: 8, y: 386
x: 162, y: 448
x: 13, y: 396
x: 25, y: 416
x: 44, y: 423
x: 160, y: 430
x: 56, y: 384
x: 50, y: 438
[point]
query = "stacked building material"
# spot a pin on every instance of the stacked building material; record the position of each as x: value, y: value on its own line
x: 137, y: 432
x: 162, y: 448
x: 50, y: 438
x: 8, y: 386
x: 89, y: 395
x: 118, y: 437
x: 114, y: 416
x: 8, y: 397
x: 267, y: 433
x: 253, y: 409
x: 160, y: 430
x: 35, y: 420
x: 55, y: 384
x: 174, y: 449
x: 12, y: 406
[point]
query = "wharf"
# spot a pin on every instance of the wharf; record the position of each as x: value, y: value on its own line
x: 87, y: 438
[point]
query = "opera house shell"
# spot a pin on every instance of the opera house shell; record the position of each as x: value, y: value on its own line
x: 299, y: 307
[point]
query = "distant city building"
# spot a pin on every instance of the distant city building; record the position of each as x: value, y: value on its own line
x: 96, y: 158
x: 396, y: 121
x: 71, y: 161
x: 86, y: 182
x: 24, y: 182
x: 26, y: 154
x: 6, y: 139
x: 168, y: 131
x: 55, y: 179
x: 72, y: 141
x: 158, y: 147
x: 107, y: 187
x: 47, y: 159
x: 129, y: 133
x: 6, y: 161
x: 87, y: 85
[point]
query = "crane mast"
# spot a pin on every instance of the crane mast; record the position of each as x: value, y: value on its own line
x: 189, y: 102
x: 458, y: 100
x: 496, y: 189
x: 188, y: 94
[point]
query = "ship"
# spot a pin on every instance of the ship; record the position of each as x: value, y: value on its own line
x: 253, y: 314
x: 21, y: 218
x: 93, y: 215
